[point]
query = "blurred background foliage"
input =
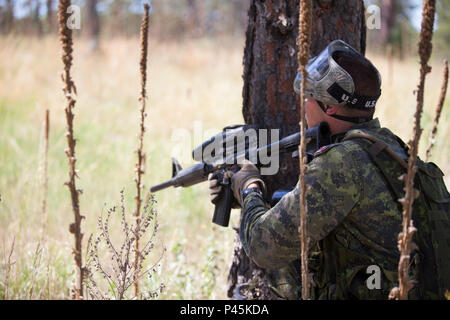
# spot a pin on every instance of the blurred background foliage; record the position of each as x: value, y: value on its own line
x: 174, y: 18
x: 400, y: 20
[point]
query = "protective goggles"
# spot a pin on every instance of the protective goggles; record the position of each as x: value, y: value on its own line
x: 330, y: 84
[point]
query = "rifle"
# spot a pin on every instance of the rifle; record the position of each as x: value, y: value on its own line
x: 221, y: 153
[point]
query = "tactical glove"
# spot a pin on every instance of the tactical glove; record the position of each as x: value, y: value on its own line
x: 248, y: 174
x: 214, y: 188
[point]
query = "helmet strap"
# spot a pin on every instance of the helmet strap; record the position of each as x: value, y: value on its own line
x: 344, y: 118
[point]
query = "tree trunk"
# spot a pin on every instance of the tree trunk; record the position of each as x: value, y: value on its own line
x: 116, y: 17
x: 93, y: 24
x: 270, y: 66
x: 36, y: 18
x: 50, y: 16
x: 240, y: 8
x: 7, y: 17
x: 388, y: 15
x: 193, y: 19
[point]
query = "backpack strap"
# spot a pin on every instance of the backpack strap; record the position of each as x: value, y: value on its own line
x: 377, y: 146
x: 374, y: 150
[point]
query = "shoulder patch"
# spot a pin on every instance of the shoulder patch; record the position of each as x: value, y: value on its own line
x: 324, y: 149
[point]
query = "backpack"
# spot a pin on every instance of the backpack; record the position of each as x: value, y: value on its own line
x: 430, y: 262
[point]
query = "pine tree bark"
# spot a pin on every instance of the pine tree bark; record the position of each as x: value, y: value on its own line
x: 269, y: 101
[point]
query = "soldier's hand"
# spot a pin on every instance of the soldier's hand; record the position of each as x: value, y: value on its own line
x: 248, y: 174
x: 214, y: 188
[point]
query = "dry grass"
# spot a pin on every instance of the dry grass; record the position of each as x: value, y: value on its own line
x: 110, y: 270
x: 439, y: 107
x: 192, y: 81
x: 140, y: 164
x: 303, y: 43
x: 70, y: 92
x: 405, y: 244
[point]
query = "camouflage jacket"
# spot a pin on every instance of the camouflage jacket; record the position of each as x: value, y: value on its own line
x: 353, y: 223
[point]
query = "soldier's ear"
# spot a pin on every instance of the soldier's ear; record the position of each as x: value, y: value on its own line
x: 331, y: 109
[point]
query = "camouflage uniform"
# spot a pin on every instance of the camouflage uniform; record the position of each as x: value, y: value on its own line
x: 353, y: 222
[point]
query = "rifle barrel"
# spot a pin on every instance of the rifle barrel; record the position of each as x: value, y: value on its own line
x: 162, y: 186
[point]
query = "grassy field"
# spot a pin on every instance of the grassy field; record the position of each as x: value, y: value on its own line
x: 194, y: 87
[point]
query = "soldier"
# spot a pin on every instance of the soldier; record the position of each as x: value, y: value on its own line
x: 353, y: 214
